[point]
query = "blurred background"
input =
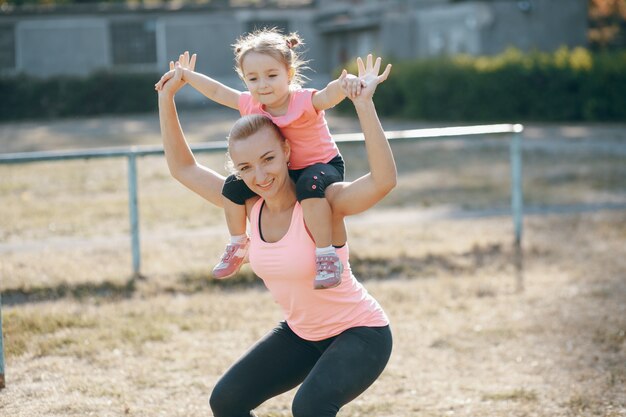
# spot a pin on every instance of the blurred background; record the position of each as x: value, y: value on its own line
x: 67, y: 58
x: 475, y: 334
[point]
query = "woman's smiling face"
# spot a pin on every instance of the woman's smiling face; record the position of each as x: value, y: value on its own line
x: 261, y: 161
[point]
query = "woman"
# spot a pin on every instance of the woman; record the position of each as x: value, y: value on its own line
x: 336, y: 342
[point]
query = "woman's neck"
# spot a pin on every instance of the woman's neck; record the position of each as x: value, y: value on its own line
x: 283, y: 200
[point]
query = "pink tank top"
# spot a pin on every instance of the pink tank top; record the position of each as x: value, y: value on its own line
x: 304, y: 127
x: 287, y: 268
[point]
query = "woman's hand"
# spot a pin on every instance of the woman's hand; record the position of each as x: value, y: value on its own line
x: 354, y: 197
x: 369, y: 78
x: 186, y: 62
x: 171, y: 86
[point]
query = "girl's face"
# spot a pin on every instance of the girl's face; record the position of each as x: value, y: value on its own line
x: 261, y: 161
x: 267, y: 80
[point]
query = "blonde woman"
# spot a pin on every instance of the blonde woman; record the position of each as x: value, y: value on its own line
x: 333, y: 343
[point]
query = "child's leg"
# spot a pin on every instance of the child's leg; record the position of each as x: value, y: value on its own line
x: 311, y: 183
x: 235, y: 193
x: 310, y: 190
x: 318, y: 219
x: 235, y: 217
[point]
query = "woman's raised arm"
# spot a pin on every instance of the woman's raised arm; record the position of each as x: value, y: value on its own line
x: 180, y: 160
x: 349, y: 198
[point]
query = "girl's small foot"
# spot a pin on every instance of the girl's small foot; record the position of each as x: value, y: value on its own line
x: 234, y: 256
x: 329, y: 269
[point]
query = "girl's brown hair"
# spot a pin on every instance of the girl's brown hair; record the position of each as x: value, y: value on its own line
x: 272, y: 42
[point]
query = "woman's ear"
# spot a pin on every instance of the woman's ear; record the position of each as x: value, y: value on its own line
x: 287, y: 149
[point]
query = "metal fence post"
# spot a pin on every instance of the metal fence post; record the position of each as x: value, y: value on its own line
x: 517, y: 204
x: 134, y: 213
x: 1, y: 349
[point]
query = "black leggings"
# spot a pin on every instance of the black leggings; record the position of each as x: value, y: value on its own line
x: 332, y: 371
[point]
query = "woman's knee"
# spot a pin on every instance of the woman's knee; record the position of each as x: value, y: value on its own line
x: 310, y: 406
x: 219, y: 404
x: 224, y: 405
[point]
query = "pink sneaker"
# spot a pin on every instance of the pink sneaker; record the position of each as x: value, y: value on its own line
x: 234, y: 256
x: 329, y: 269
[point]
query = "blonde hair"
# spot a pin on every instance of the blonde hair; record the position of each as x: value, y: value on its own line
x: 271, y: 41
x: 247, y: 126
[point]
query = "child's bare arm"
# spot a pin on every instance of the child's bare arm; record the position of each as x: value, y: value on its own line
x: 209, y: 87
x: 213, y: 89
x: 333, y: 93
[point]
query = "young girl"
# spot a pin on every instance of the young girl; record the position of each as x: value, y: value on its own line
x: 268, y: 64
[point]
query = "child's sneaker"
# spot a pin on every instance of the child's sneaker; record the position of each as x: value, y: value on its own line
x: 234, y: 256
x: 329, y: 269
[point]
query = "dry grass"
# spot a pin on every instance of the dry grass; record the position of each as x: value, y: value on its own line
x: 467, y: 341
x: 472, y: 338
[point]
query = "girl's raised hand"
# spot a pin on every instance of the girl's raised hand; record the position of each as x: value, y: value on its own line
x: 350, y: 84
x: 370, y: 77
x: 185, y: 61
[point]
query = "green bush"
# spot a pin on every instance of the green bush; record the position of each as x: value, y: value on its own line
x: 26, y: 97
x: 567, y: 85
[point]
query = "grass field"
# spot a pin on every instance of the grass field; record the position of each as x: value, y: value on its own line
x: 472, y: 336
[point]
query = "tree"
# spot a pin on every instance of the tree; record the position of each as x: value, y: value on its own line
x: 607, y: 24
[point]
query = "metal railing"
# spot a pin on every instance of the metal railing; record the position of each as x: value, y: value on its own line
x: 131, y: 153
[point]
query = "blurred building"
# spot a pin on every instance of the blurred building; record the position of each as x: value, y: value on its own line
x: 52, y: 41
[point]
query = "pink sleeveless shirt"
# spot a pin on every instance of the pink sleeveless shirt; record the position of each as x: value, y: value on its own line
x: 287, y: 268
x: 304, y: 127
